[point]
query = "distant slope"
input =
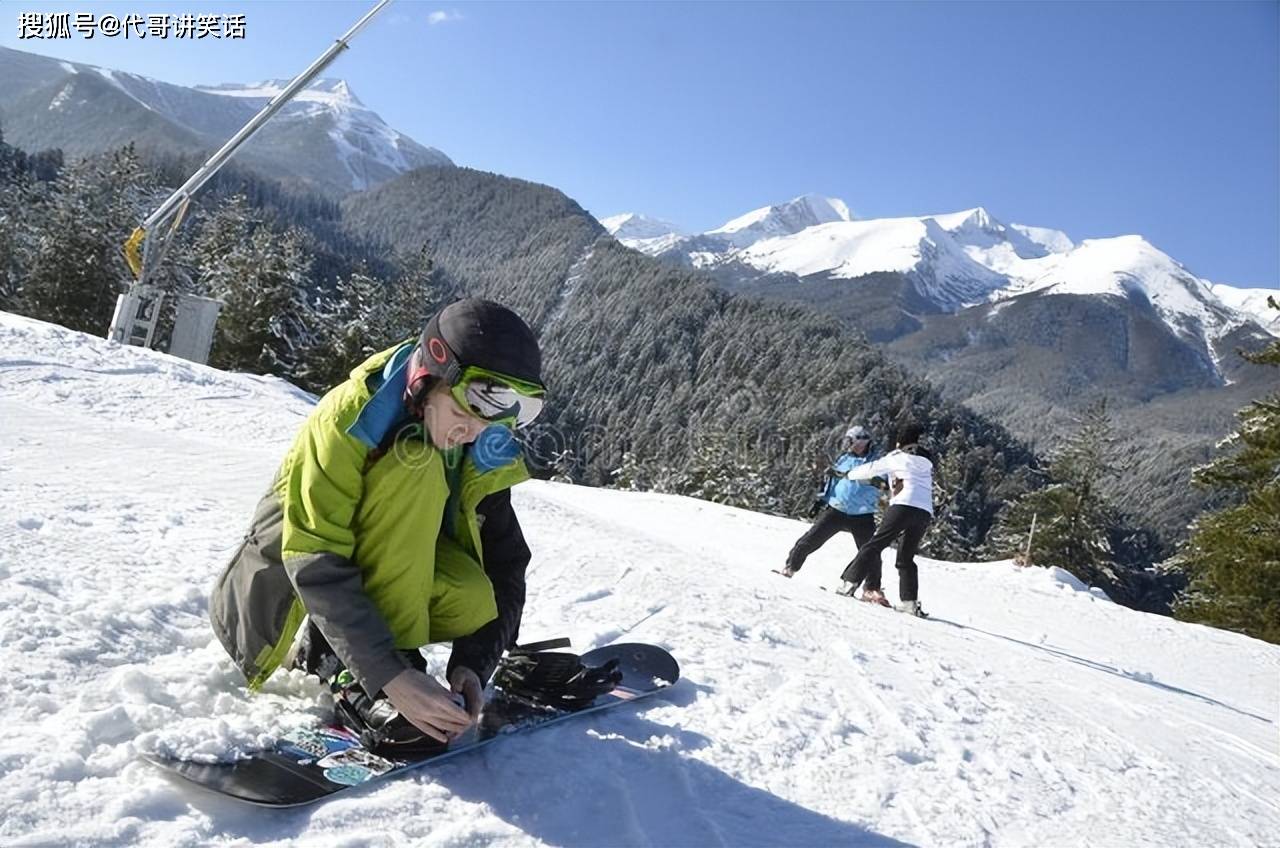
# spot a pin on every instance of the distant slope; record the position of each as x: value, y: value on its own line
x: 655, y: 361
x: 1026, y: 326
x: 1028, y: 711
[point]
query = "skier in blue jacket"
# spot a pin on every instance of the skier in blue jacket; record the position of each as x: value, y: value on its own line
x: 847, y: 505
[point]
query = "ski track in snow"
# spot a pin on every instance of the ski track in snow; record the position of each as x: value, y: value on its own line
x: 1029, y: 711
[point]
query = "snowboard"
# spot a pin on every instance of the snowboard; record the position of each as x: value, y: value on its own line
x: 310, y: 764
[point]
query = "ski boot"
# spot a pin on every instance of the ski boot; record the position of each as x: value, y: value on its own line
x: 376, y: 721
x: 875, y: 596
x: 911, y: 608
x: 558, y: 680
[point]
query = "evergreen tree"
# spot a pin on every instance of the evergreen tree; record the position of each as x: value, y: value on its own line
x: 631, y: 475
x: 366, y: 315
x: 1232, y: 557
x: 266, y: 318
x: 1074, y: 517
x: 14, y: 198
x: 75, y: 269
x: 563, y: 464
x: 725, y: 468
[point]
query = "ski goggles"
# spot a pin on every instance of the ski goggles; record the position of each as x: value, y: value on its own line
x: 497, y: 398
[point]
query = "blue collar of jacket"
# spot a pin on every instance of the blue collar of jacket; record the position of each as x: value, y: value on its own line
x: 384, y: 413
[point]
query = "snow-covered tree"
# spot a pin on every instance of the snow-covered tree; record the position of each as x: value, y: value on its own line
x: 722, y: 468
x: 75, y: 269
x: 1074, y: 516
x: 262, y: 282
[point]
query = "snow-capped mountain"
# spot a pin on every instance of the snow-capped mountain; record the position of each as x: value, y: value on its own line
x: 964, y: 259
x: 367, y: 147
x: 943, y: 269
x: 660, y: 238
x: 784, y: 219
x: 325, y: 137
x: 1130, y: 267
x: 642, y: 233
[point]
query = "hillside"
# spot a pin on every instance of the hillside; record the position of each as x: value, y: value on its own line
x: 325, y: 139
x: 1028, y: 711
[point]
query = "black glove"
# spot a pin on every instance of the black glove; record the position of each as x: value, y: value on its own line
x: 817, y: 507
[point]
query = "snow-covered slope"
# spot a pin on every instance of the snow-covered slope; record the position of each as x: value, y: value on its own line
x: 361, y: 137
x: 782, y: 219
x: 1130, y: 266
x: 1029, y: 711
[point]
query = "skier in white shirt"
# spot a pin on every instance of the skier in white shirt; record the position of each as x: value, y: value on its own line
x: 910, y: 472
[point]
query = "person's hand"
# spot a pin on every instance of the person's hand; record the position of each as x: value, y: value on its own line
x: 427, y: 705
x: 467, y: 683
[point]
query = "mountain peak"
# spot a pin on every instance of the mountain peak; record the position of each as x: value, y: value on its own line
x: 783, y: 219
x: 631, y: 226
x: 975, y: 219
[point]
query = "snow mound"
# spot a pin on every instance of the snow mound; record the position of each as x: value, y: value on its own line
x: 1027, y: 711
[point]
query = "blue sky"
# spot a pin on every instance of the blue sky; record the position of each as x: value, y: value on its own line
x: 1098, y: 119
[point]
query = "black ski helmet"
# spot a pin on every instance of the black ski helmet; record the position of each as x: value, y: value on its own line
x: 474, y: 332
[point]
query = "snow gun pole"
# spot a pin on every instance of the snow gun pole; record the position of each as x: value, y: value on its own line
x: 138, y: 250
x: 1026, y: 553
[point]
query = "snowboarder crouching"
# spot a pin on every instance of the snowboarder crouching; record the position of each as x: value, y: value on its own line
x: 389, y: 526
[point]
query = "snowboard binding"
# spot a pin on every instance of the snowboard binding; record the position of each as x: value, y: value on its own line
x: 379, y: 725
x: 559, y: 680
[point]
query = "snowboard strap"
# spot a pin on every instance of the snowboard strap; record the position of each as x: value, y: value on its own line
x: 559, y: 680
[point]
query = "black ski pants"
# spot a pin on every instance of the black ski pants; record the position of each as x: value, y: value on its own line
x: 908, y: 522
x: 828, y: 523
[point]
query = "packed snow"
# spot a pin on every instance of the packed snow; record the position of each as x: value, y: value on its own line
x: 1029, y: 710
